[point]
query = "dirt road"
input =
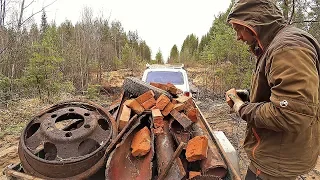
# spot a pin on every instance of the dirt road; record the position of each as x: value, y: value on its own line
x: 217, y: 114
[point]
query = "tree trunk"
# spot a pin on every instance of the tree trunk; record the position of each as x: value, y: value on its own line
x: 2, y: 12
x: 21, y: 15
x: 11, y: 81
x: 39, y: 88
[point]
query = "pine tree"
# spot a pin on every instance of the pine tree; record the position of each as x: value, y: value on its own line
x: 159, y: 58
x: 189, y: 49
x: 203, y: 42
x: 174, y: 55
x: 44, y: 23
x: 145, y: 51
x: 43, y: 71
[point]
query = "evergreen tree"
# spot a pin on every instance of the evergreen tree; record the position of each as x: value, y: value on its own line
x: 133, y: 39
x: 229, y: 60
x: 189, y: 49
x: 159, y: 58
x: 44, y: 23
x: 145, y: 51
x: 174, y: 55
x: 118, y: 37
x: 34, y: 33
x: 203, y: 42
x: 43, y: 71
x: 128, y: 56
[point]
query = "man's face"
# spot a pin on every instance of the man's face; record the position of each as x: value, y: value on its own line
x: 244, y: 34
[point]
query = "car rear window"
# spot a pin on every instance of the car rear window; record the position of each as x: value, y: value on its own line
x: 165, y: 77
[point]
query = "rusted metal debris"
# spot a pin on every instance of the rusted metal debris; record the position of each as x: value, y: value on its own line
x: 165, y: 149
x: 81, y: 140
x: 122, y: 165
x: 214, y: 164
x: 67, y: 140
x: 182, y: 119
x: 112, y: 146
x: 178, y: 132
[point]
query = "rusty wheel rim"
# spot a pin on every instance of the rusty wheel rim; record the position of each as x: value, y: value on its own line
x: 66, y: 139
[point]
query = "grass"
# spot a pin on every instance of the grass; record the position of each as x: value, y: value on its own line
x: 12, y: 129
x: 15, y: 116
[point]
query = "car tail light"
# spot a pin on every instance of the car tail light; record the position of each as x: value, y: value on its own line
x: 187, y: 93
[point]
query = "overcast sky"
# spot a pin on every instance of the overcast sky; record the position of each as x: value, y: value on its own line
x: 161, y: 23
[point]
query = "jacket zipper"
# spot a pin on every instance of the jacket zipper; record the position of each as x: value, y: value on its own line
x: 258, y: 143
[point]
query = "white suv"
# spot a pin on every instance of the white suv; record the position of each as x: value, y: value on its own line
x: 166, y: 73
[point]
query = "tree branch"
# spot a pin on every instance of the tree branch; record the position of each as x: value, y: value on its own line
x: 21, y: 14
x: 292, y: 13
x: 306, y: 21
x: 37, y: 12
x: 29, y: 4
x: 2, y: 11
x: 2, y: 50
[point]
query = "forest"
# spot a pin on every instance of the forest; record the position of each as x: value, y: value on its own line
x: 46, y: 59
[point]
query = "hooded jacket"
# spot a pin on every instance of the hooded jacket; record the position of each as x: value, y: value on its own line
x: 282, y: 135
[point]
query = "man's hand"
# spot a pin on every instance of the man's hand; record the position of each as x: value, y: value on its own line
x: 233, y: 100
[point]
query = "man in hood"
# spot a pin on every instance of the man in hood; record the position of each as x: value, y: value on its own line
x: 282, y: 135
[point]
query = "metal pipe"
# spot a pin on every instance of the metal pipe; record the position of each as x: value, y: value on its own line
x: 213, y: 164
x: 165, y: 150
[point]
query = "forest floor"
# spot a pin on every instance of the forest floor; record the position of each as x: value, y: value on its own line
x: 14, y: 117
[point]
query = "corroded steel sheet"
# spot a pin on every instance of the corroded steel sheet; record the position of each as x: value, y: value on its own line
x: 165, y: 148
x: 122, y: 165
x: 178, y: 132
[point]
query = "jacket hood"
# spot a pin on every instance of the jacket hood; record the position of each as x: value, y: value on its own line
x: 262, y: 17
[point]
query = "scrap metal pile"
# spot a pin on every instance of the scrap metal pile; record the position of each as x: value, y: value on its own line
x: 152, y: 132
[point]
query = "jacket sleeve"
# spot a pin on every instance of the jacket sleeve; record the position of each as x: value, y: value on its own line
x: 294, y: 82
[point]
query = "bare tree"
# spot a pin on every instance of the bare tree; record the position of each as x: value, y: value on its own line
x: 292, y: 13
x: 21, y: 21
x: 2, y: 12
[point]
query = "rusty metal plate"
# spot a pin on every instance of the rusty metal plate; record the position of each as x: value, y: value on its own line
x: 122, y: 165
x: 178, y: 132
x: 67, y: 140
x: 165, y: 149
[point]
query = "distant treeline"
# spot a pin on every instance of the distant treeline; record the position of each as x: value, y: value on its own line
x: 229, y: 63
x: 68, y: 58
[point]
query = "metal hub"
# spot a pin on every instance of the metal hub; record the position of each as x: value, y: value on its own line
x: 66, y: 140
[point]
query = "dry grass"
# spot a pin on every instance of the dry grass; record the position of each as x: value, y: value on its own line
x: 15, y: 115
